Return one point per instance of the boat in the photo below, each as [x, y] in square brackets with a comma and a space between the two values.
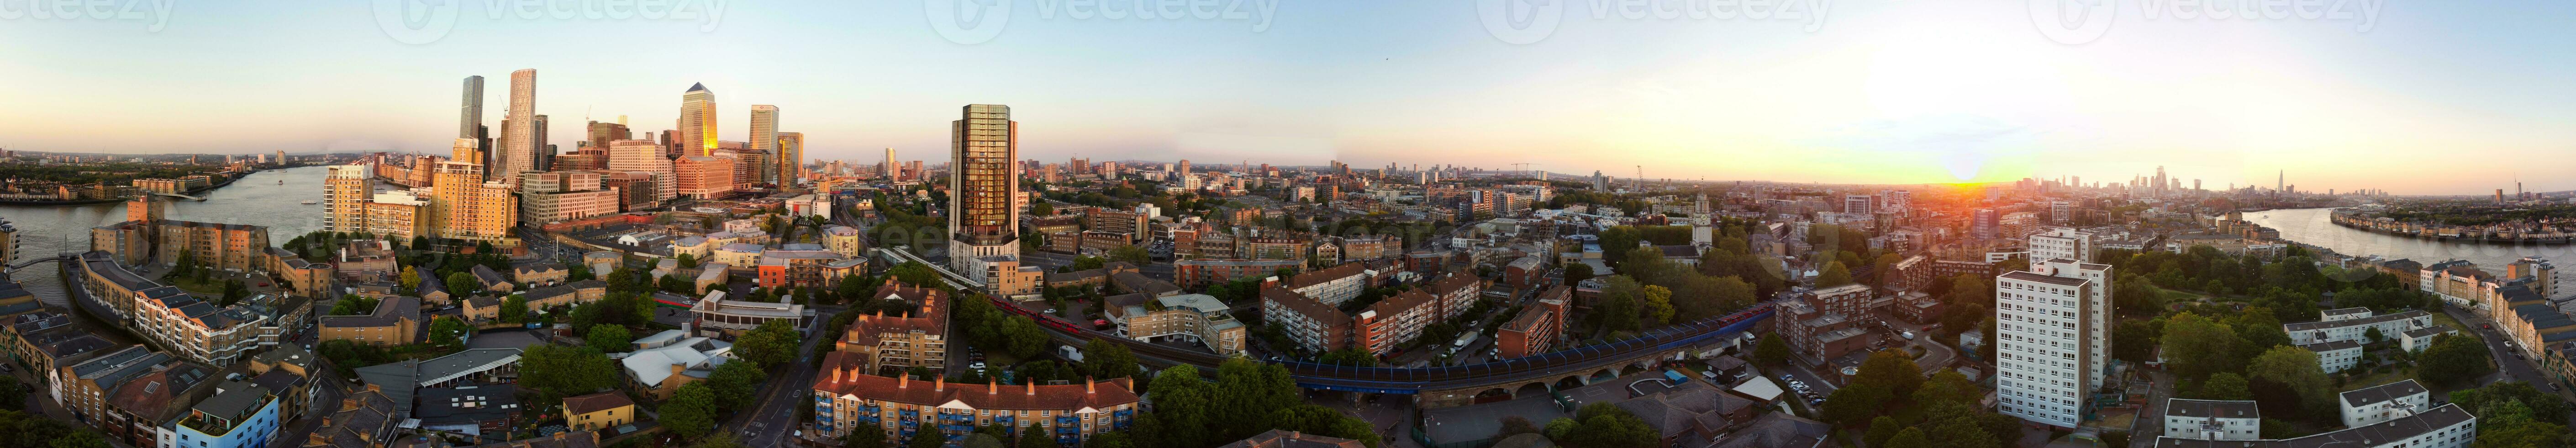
[281, 181]
[309, 202]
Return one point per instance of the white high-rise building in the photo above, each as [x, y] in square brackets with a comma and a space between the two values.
[2061, 242]
[2054, 339]
[519, 132]
[697, 121]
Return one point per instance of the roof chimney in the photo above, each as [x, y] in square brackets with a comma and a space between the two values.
[1089, 387]
[1033, 388]
[905, 383]
[939, 384]
[836, 375]
[992, 386]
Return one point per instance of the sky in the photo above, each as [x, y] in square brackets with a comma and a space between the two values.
[2411, 97]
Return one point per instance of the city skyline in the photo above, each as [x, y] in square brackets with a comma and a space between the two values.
[1877, 93]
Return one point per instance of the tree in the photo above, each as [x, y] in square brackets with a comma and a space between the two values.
[1561, 428]
[2453, 360]
[688, 261]
[12, 394]
[1771, 352]
[410, 279]
[609, 338]
[352, 305]
[1104, 360]
[447, 332]
[1948, 386]
[1246, 392]
[1132, 254]
[566, 371]
[2296, 370]
[2225, 386]
[735, 383]
[515, 309]
[1604, 425]
[1891, 369]
[927, 439]
[1855, 404]
[863, 439]
[1182, 406]
[1621, 301]
[1658, 305]
[1881, 429]
[1909, 438]
[1023, 338]
[672, 283]
[2196, 347]
[915, 273]
[691, 411]
[1834, 275]
[1577, 272]
[461, 284]
[772, 343]
[1036, 437]
[1314, 419]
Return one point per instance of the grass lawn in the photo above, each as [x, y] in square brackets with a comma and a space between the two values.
[213, 286]
[2443, 318]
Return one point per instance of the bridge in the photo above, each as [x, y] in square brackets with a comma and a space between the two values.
[1455, 385]
[182, 196]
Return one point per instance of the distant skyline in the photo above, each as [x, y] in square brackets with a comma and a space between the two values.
[2414, 98]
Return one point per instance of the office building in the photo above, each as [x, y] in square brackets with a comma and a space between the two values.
[1196, 318]
[984, 174]
[469, 116]
[764, 139]
[550, 197]
[644, 156]
[790, 156]
[704, 177]
[697, 126]
[2055, 339]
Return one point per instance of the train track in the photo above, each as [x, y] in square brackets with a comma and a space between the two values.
[1541, 367]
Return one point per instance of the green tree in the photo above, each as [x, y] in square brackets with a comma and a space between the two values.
[917, 274]
[1024, 338]
[688, 261]
[863, 439]
[1881, 429]
[2225, 386]
[1246, 392]
[1948, 386]
[1314, 419]
[352, 305]
[1856, 404]
[409, 279]
[461, 284]
[1102, 359]
[672, 283]
[772, 343]
[927, 439]
[1658, 305]
[1834, 275]
[734, 384]
[447, 332]
[1605, 425]
[1132, 254]
[1561, 428]
[1182, 407]
[2196, 347]
[566, 371]
[1891, 369]
[692, 410]
[1908, 438]
[609, 338]
[1036, 436]
[2453, 360]
[1577, 272]
[1771, 352]
[2296, 369]
[515, 309]
[12, 394]
[78, 438]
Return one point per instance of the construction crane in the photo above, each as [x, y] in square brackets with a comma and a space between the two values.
[1638, 183]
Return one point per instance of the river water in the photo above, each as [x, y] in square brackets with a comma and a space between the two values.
[258, 199]
[2312, 226]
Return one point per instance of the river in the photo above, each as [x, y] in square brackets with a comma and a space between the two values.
[257, 199]
[2311, 226]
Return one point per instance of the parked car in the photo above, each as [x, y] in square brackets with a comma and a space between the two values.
[978, 365]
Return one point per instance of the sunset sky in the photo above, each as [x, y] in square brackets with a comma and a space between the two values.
[2413, 97]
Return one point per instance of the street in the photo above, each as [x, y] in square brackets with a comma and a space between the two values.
[772, 418]
[2510, 368]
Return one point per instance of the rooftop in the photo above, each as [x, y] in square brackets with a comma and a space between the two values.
[2178, 407]
[2382, 393]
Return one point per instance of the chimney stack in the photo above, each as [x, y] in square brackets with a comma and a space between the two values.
[1033, 388]
[992, 386]
[905, 383]
[939, 384]
[1089, 387]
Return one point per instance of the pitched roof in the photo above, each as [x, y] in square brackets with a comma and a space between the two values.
[2179, 407]
[2382, 393]
[1281, 438]
[1099, 395]
[602, 401]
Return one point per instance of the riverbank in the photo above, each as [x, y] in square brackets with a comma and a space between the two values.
[227, 180]
[2357, 222]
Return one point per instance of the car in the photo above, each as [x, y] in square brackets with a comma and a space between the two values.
[1907, 335]
[978, 365]
[1050, 311]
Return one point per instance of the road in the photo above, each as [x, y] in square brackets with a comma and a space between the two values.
[2511, 368]
[774, 415]
[1936, 355]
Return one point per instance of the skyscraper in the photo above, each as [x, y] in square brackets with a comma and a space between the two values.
[697, 121]
[518, 151]
[791, 157]
[472, 209]
[545, 154]
[469, 117]
[764, 130]
[602, 133]
[888, 169]
[983, 175]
